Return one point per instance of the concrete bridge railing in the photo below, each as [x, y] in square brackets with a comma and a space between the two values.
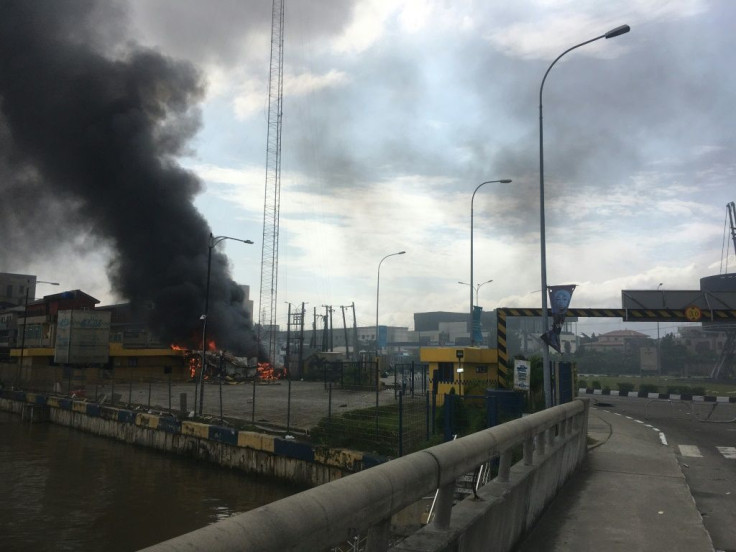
[551, 444]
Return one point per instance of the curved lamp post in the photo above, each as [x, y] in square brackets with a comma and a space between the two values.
[25, 319]
[659, 348]
[378, 287]
[472, 199]
[545, 318]
[214, 240]
[477, 288]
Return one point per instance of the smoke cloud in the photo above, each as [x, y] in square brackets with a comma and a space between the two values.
[90, 130]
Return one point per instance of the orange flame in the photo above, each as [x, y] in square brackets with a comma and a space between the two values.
[266, 371]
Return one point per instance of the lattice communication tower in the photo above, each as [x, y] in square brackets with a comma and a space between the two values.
[270, 245]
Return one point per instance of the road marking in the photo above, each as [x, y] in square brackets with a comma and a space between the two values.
[728, 452]
[663, 438]
[690, 451]
[638, 421]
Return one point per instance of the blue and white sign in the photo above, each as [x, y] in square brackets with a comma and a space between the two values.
[522, 375]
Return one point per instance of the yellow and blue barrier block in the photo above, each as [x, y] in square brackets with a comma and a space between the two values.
[149, 421]
[340, 458]
[126, 416]
[293, 449]
[225, 435]
[195, 429]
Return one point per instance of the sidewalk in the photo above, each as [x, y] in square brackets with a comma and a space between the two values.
[630, 495]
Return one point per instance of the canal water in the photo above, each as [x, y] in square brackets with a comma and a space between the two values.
[62, 489]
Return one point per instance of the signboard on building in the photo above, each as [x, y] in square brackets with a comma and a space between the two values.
[522, 375]
[648, 358]
[82, 337]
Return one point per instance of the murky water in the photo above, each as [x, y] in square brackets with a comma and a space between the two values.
[61, 489]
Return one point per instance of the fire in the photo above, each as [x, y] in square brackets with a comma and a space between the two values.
[192, 359]
[267, 372]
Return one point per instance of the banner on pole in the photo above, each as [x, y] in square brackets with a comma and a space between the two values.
[477, 331]
[559, 299]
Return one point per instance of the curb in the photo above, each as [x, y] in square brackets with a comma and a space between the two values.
[670, 396]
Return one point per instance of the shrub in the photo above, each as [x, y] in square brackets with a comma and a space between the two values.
[582, 383]
[698, 391]
[625, 386]
[648, 388]
[596, 384]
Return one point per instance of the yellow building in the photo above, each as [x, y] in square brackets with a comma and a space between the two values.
[467, 370]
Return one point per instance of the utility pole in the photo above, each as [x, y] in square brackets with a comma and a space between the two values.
[313, 340]
[288, 341]
[328, 320]
[325, 340]
[301, 343]
[355, 333]
[345, 328]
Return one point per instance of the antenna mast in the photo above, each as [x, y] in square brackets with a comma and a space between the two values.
[267, 333]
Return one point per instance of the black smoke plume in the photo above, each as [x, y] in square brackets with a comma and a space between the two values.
[90, 130]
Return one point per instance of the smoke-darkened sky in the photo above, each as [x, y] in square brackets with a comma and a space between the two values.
[394, 111]
[91, 140]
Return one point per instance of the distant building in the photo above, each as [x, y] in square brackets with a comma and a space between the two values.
[699, 341]
[35, 338]
[618, 340]
[15, 289]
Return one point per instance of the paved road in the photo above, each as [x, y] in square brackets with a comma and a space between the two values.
[703, 438]
[629, 494]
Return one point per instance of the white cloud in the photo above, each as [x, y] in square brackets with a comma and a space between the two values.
[252, 95]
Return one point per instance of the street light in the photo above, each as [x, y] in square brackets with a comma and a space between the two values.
[659, 348]
[477, 288]
[472, 199]
[213, 241]
[378, 287]
[545, 318]
[25, 319]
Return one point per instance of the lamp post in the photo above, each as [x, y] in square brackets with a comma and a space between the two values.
[213, 241]
[659, 348]
[25, 319]
[545, 318]
[477, 288]
[472, 199]
[378, 287]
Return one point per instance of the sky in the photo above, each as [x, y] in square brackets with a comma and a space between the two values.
[394, 111]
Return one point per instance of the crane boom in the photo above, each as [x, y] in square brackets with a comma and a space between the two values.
[267, 331]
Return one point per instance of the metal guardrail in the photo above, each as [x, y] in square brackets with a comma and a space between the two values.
[363, 503]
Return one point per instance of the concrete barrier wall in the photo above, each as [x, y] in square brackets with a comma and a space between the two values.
[257, 453]
[553, 444]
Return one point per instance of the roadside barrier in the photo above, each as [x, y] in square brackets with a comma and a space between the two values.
[550, 444]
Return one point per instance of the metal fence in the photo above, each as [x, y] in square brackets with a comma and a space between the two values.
[339, 404]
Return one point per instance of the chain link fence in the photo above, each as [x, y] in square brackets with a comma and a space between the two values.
[339, 404]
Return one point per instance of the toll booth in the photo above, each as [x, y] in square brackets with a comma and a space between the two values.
[461, 369]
